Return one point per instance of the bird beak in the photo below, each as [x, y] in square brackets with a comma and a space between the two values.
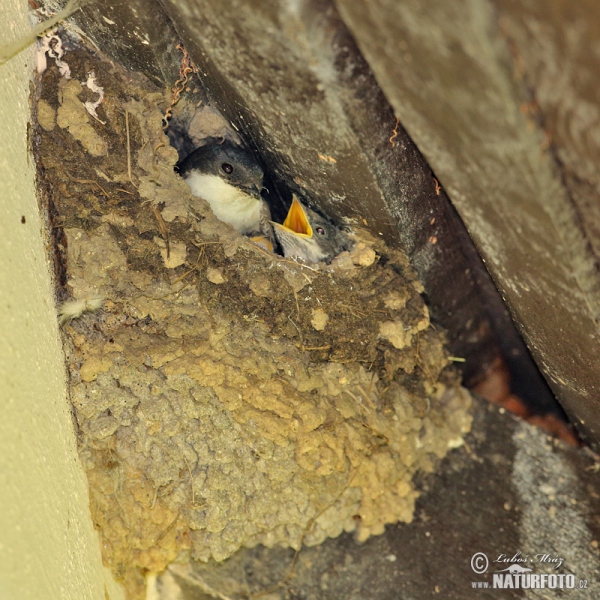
[253, 190]
[297, 221]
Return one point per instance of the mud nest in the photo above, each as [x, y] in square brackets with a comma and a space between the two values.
[224, 397]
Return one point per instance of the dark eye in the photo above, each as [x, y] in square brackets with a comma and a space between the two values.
[320, 231]
[227, 168]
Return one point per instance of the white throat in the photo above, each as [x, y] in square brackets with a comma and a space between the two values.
[230, 204]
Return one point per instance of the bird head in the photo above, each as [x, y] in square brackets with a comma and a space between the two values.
[232, 163]
[307, 235]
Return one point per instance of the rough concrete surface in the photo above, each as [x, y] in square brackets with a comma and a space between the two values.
[556, 53]
[447, 70]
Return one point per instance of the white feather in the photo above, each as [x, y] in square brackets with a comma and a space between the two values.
[230, 204]
[74, 309]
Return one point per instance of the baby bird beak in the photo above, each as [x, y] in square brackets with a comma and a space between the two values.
[307, 235]
[297, 221]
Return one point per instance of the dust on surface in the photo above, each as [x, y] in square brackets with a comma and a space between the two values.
[224, 396]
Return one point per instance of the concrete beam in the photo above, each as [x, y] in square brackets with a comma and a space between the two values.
[447, 70]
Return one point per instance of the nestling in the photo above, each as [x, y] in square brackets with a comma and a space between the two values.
[307, 235]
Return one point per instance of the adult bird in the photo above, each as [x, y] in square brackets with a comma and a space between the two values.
[230, 179]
